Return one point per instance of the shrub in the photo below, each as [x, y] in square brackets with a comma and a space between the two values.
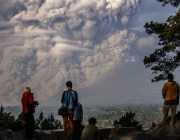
[127, 121]
[5, 119]
[47, 123]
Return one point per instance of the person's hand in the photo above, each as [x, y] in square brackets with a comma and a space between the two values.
[36, 102]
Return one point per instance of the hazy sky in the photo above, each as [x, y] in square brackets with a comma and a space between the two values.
[45, 43]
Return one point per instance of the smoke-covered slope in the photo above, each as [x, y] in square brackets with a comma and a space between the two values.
[130, 84]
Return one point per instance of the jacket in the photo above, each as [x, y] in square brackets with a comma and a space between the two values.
[69, 99]
[28, 103]
[89, 132]
[78, 112]
[170, 93]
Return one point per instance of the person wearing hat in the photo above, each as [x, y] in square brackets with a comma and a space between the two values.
[28, 108]
[69, 99]
[170, 93]
[90, 132]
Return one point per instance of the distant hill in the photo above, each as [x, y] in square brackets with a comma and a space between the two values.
[127, 85]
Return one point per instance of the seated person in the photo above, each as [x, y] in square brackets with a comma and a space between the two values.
[90, 132]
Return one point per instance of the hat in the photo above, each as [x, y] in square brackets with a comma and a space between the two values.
[27, 89]
[92, 121]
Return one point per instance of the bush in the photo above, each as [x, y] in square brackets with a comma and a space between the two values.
[47, 123]
[5, 119]
[127, 121]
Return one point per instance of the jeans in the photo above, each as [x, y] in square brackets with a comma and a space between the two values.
[71, 124]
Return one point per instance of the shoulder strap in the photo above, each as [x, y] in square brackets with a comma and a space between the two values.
[72, 97]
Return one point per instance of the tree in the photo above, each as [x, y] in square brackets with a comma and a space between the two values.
[174, 3]
[47, 123]
[5, 119]
[165, 59]
[39, 120]
[127, 121]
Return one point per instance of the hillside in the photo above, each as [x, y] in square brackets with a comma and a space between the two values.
[165, 132]
[127, 85]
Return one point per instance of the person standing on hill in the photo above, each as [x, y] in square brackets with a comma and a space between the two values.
[69, 99]
[78, 113]
[170, 93]
[28, 108]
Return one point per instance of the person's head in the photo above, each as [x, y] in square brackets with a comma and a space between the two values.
[92, 121]
[69, 85]
[170, 76]
[27, 89]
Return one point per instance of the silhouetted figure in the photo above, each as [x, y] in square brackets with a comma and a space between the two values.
[90, 132]
[170, 93]
[153, 125]
[28, 108]
[69, 99]
[78, 117]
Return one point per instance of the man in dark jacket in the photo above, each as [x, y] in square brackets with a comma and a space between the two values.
[28, 108]
[170, 93]
[78, 117]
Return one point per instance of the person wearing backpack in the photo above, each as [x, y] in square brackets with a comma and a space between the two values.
[28, 108]
[69, 99]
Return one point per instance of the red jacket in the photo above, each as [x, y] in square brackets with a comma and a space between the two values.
[28, 103]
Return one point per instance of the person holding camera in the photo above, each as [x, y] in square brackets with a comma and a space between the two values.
[28, 108]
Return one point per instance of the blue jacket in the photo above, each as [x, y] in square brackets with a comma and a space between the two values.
[78, 112]
[69, 99]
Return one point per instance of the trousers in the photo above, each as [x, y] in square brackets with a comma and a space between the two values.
[165, 112]
[30, 123]
[71, 124]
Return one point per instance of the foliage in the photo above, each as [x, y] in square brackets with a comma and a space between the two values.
[21, 117]
[165, 59]
[5, 119]
[39, 120]
[174, 3]
[127, 121]
[47, 123]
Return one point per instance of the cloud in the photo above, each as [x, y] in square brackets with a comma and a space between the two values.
[145, 42]
[49, 42]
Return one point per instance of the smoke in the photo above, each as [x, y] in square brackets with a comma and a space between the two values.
[47, 42]
[146, 42]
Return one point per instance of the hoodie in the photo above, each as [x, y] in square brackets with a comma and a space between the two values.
[170, 93]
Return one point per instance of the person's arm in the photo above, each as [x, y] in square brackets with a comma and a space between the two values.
[76, 101]
[164, 89]
[178, 93]
[62, 99]
[31, 100]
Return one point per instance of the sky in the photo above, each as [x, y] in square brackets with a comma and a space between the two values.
[99, 45]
